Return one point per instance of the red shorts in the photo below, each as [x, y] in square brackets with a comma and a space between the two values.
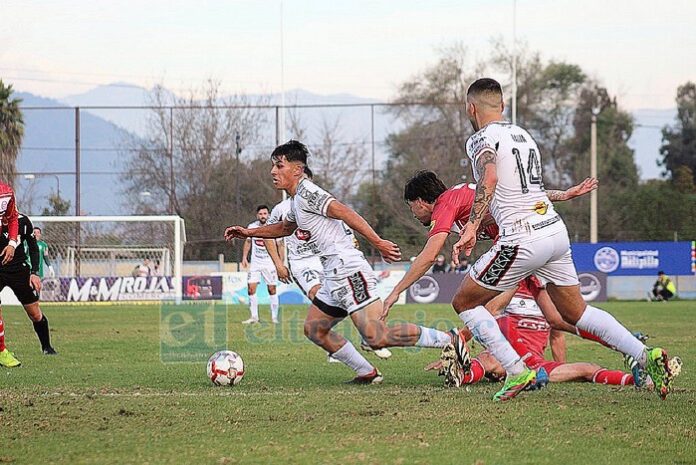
[529, 337]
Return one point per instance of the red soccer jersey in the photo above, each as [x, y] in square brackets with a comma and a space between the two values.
[452, 210]
[8, 211]
[529, 288]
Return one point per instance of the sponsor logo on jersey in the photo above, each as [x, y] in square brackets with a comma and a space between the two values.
[4, 201]
[541, 207]
[497, 268]
[260, 243]
[303, 234]
[607, 259]
[359, 287]
[432, 225]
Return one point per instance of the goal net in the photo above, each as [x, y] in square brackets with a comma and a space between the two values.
[112, 247]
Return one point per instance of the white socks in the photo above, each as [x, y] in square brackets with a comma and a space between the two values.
[254, 306]
[486, 331]
[430, 337]
[351, 357]
[274, 306]
[607, 328]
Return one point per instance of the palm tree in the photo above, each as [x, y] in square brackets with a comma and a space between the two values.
[11, 133]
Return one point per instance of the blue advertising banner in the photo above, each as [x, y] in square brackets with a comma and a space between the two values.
[633, 258]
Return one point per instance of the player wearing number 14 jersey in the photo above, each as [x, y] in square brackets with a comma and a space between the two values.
[533, 240]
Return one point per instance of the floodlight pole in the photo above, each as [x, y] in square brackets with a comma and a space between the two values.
[593, 173]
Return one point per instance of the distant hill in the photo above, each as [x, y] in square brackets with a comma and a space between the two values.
[49, 136]
[49, 146]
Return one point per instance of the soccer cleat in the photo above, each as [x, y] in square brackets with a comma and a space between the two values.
[250, 321]
[8, 360]
[542, 379]
[49, 351]
[675, 367]
[642, 337]
[513, 386]
[639, 376]
[381, 353]
[657, 367]
[374, 377]
[450, 369]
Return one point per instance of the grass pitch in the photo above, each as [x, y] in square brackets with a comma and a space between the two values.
[114, 396]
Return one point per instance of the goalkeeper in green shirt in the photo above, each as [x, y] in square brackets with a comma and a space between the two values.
[43, 255]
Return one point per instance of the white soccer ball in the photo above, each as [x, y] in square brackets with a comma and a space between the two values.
[225, 368]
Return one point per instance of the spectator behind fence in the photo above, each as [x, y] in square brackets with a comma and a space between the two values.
[463, 267]
[143, 269]
[440, 265]
[663, 289]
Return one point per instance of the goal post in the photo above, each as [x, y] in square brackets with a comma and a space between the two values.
[115, 246]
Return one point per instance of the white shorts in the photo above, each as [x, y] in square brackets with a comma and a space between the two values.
[270, 275]
[506, 264]
[307, 272]
[341, 297]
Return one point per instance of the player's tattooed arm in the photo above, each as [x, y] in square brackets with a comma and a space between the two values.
[585, 187]
[556, 196]
[485, 189]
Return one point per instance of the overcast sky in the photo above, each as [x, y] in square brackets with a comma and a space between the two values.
[641, 50]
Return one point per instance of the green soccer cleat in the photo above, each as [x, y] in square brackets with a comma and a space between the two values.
[8, 360]
[657, 367]
[513, 386]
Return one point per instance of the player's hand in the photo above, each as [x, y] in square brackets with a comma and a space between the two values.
[233, 232]
[387, 305]
[465, 244]
[245, 263]
[7, 254]
[588, 185]
[436, 365]
[35, 282]
[284, 274]
[389, 251]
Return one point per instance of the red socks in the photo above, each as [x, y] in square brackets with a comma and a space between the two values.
[2, 335]
[614, 377]
[475, 374]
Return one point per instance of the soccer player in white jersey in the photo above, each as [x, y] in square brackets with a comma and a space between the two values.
[533, 239]
[305, 267]
[261, 266]
[348, 287]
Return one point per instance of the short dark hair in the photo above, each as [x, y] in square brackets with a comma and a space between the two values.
[262, 207]
[660, 272]
[424, 185]
[292, 150]
[308, 172]
[36, 227]
[484, 86]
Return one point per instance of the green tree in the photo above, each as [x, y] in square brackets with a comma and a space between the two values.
[679, 141]
[57, 206]
[11, 133]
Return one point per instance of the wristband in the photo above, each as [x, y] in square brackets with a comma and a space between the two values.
[13, 243]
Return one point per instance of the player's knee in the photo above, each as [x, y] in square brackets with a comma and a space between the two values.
[376, 341]
[34, 314]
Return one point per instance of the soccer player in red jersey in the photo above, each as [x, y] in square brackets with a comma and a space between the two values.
[10, 216]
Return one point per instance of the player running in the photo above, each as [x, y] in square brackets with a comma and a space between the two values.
[348, 287]
[261, 265]
[533, 240]
[26, 285]
[305, 267]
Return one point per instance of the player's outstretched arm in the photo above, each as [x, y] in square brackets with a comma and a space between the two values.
[389, 251]
[273, 231]
[419, 267]
[585, 187]
[487, 175]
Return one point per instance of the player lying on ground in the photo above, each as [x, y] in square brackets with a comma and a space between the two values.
[348, 287]
[523, 323]
[533, 240]
[261, 266]
[26, 285]
[304, 266]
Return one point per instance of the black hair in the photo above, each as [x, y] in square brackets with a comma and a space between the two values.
[36, 227]
[424, 185]
[484, 86]
[292, 150]
[660, 272]
[308, 172]
[262, 207]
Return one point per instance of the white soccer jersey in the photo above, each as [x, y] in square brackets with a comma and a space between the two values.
[297, 247]
[520, 204]
[327, 237]
[259, 255]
